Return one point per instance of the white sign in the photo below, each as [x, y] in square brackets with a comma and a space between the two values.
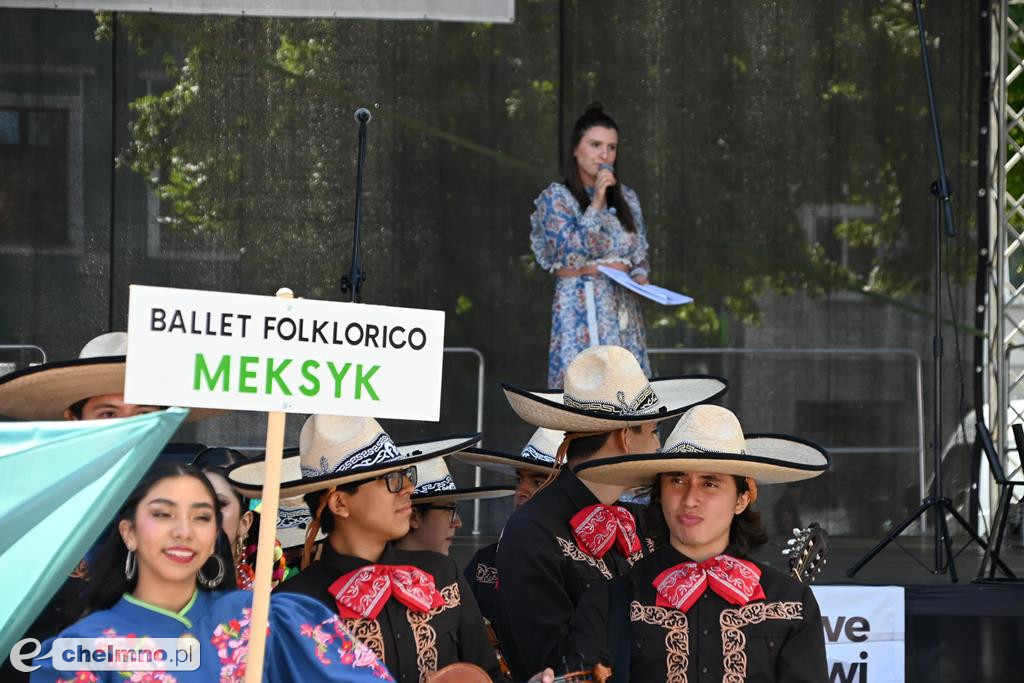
[502, 11]
[864, 632]
[243, 352]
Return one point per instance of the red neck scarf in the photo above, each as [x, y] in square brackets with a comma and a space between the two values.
[597, 527]
[362, 594]
[738, 581]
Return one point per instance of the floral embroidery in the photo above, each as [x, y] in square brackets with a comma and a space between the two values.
[564, 236]
[677, 637]
[574, 553]
[734, 641]
[425, 635]
[356, 654]
[232, 642]
[133, 676]
[367, 631]
[80, 677]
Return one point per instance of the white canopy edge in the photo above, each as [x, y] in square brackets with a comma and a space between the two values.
[497, 11]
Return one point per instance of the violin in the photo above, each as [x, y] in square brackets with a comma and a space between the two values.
[493, 637]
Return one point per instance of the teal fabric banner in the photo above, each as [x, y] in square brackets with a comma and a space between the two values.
[61, 484]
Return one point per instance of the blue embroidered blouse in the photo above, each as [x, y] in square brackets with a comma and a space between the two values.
[306, 642]
[564, 237]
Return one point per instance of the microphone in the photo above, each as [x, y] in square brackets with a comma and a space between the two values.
[606, 167]
[362, 115]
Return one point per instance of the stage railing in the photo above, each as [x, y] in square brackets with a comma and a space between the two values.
[480, 366]
[914, 357]
[20, 347]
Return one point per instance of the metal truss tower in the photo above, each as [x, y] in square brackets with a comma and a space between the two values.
[1003, 362]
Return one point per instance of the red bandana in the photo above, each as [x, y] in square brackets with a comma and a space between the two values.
[362, 594]
[738, 581]
[596, 527]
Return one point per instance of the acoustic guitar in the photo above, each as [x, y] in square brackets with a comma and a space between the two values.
[806, 552]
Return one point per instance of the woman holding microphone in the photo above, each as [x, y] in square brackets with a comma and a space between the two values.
[587, 220]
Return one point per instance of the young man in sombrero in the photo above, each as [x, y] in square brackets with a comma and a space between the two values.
[697, 608]
[89, 387]
[571, 536]
[531, 467]
[435, 512]
[411, 608]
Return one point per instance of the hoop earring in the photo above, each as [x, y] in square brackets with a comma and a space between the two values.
[215, 581]
[130, 565]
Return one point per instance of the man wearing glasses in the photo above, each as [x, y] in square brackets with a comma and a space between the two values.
[435, 511]
[412, 608]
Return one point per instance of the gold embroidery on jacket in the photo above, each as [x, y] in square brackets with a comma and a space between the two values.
[677, 637]
[486, 574]
[734, 641]
[367, 631]
[573, 553]
[424, 634]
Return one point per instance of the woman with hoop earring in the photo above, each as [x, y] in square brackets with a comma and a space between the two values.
[158, 577]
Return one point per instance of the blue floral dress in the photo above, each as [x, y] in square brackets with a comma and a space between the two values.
[305, 642]
[589, 309]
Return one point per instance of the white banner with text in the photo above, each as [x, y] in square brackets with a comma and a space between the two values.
[204, 349]
[864, 632]
[502, 11]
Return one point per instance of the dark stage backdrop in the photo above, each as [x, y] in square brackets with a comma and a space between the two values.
[781, 152]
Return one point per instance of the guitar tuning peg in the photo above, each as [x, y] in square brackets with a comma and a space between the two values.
[797, 531]
[787, 551]
[791, 541]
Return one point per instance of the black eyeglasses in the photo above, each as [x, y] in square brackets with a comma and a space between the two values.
[454, 509]
[396, 480]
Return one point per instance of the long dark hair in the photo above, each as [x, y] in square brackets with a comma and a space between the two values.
[595, 116]
[747, 533]
[218, 459]
[106, 575]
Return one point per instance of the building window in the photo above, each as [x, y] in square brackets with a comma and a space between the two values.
[34, 184]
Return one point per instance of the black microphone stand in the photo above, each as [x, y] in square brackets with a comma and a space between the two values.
[352, 284]
[936, 501]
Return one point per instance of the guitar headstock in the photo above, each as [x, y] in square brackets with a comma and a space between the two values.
[806, 552]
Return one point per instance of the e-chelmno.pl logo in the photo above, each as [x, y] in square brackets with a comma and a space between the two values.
[115, 653]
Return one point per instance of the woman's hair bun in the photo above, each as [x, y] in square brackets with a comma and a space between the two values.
[595, 108]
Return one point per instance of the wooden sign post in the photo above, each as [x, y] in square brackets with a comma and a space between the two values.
[260, 616]
[280, 355]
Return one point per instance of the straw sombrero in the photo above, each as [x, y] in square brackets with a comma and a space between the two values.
[293, 517]
[605, 389]
[44, 392]
[336, 449]
[434, 485]
[709, 439]
[537, 456]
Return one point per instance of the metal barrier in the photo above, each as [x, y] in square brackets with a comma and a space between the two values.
[24, 347]
[909, 353]
[480, 365]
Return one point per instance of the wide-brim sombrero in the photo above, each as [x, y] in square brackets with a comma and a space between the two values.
[293, 518]
[435, 485]
[44, 392]
[675, 395]
[770, 459]
[537, 457]
[498, 461]
[457, 494]
[248, 477]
